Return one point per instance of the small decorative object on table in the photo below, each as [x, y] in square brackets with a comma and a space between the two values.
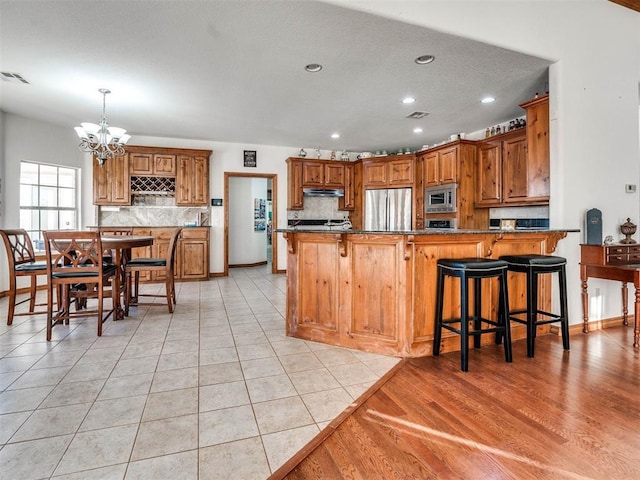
[628, 229]
[608, 240]
[344, 156]
[318, 153]
[333, 155]
[302, 153]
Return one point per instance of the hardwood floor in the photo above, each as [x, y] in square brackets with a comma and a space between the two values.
[573, 415]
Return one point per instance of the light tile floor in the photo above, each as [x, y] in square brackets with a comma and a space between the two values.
[214, 391]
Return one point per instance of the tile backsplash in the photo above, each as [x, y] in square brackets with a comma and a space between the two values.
[153, 216]
[319, 208]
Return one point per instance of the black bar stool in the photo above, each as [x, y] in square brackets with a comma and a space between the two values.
[533, 266]
[476, 269]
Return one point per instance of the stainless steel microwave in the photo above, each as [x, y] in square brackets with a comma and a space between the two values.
[440, 199]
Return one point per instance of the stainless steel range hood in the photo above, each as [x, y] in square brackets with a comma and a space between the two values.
[323, 192]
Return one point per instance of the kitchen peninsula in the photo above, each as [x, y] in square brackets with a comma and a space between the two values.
[375, 291]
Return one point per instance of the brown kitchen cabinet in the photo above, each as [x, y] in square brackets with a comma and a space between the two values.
[192, 180]
[418, 197]
[192, 252]
[513, 168]
[149, 164]
[295, 197]
[111, 184]
[504, 174]
[538, 147]
[389, 172]
[322, 174]
[348, 202]
[441, 166]
[303, 173]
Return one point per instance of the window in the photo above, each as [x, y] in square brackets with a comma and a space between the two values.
[48, 196]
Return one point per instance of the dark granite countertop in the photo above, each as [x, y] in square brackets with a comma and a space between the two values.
[426, 231]
[148, 226]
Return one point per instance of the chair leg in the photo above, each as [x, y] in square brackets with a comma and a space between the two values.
[136, 285]
[32, 292]
[12, 299]
[167, 287]
[503, 317]
[562, 278]
[437, 334]
[532, 311]
[477, 309]
[464, 324]
[100, 307]
[115, 293]
[49, 311]
[127, 292]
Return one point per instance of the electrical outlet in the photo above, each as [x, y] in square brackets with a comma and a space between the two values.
[630, 188]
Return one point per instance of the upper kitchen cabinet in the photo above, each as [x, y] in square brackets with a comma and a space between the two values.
[513, 168]
[538, 156]
[192, 179]
[441, 166]
[388, 172]
[295, 197]
[348, 202]
[321, 174]
[111, 181]
[149, 164]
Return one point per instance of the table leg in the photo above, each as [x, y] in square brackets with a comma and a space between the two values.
[636, 320]
[625, 301]
[585, 299]
[122, 256]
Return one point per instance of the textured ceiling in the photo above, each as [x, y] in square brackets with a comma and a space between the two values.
[234, 71]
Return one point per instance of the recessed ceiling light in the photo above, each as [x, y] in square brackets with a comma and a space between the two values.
[424, 59]
[408, 100]
[313, 67]
[488, 100]
[335, 135]
[417, 130]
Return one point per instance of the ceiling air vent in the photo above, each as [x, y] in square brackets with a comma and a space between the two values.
[13, 77]
[417, 115]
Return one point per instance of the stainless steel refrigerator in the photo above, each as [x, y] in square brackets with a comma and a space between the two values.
[387, 209]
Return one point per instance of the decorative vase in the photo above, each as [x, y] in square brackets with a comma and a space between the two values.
[628, 229]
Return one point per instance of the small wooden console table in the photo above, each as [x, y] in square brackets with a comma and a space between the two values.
[612, 262]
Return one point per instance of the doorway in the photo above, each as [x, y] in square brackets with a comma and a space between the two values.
[263, 219]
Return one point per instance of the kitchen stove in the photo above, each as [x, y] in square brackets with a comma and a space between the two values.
[319, 224]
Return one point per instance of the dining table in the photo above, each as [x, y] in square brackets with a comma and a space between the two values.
[121, 245]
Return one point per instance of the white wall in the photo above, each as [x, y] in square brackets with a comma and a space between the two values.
[246, 246]
[3, 135]
[25, 139]
[594, 81]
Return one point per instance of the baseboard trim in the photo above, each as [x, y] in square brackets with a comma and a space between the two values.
[593, 325]
[216, 274]
[21, 291]
[247, 265]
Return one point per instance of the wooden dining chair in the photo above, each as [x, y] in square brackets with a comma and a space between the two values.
[108, 256]
[75, 258]
[136, 265]
[22, 263]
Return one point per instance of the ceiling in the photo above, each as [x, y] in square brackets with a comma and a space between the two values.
[233, 71]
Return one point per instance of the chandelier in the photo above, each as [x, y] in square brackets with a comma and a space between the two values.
[102, 140]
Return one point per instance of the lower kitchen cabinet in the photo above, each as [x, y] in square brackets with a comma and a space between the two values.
[192, 252]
